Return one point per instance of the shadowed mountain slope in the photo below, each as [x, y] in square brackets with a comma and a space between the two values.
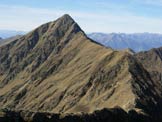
[152, 59]
[56, 68]
[104, 115]
[152, 62]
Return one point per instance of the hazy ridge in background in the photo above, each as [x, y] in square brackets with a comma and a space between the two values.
[137, 41]
[9, 33]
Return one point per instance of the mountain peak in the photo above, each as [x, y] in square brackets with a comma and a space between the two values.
[67, 16]
[66, 19]
[48, 38]
[63, 26]
[66, 23]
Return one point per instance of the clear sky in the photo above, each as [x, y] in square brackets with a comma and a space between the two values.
[92, 15]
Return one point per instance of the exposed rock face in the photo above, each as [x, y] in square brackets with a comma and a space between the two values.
[56, 68]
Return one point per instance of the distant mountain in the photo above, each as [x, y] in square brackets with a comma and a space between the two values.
[8, 40]
[137, 42]
[10, 33]
[0, 39]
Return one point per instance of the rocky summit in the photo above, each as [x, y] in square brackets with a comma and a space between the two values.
[56, 69]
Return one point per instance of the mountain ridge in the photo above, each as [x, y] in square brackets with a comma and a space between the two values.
[152, 61]
[57, 68]
[136, 41]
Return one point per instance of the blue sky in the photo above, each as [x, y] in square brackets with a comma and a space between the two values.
[106, 16]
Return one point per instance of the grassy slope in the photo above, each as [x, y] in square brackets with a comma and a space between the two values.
[57, 68]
